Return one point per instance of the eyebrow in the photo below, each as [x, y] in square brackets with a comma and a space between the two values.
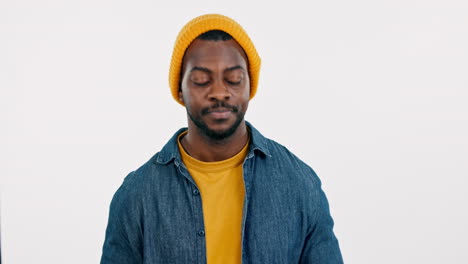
[234, 68]
[203, 69]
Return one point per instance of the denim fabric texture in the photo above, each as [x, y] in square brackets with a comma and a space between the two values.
[156, 215]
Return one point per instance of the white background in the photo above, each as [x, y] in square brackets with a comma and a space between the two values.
[372, 94]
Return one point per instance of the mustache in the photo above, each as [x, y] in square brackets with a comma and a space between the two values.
[219, 105]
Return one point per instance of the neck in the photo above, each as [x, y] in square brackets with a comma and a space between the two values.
[206, 149]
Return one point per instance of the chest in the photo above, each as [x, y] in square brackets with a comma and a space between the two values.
[273, 221]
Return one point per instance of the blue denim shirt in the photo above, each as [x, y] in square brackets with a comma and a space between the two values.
[156, 215]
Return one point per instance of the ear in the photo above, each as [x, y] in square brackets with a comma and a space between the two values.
[181, 98]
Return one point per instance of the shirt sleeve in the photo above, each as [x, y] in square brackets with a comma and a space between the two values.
[123, 241]
[321, 245]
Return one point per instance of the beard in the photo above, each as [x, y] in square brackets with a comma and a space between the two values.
[217, 134]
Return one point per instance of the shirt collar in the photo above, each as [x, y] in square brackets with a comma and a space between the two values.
[171, 151]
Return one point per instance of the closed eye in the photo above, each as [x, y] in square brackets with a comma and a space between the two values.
[201, 84]
[234, 83]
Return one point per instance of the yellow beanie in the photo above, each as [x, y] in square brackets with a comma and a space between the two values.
[200, 25]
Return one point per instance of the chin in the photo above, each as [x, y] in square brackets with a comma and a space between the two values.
[220, 132]
[217, 129]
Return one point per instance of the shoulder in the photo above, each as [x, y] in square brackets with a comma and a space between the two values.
[290, 165]
[289, 176]
[279, 162]
[282, 154]
[148, 171]
[137, 182]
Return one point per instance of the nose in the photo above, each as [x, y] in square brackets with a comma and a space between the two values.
[219, 92]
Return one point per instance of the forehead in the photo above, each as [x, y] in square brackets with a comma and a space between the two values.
[208, 53]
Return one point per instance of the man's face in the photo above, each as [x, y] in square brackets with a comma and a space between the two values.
[215, 86]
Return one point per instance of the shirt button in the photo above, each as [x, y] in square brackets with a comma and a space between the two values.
[195, 191]
[201, 233]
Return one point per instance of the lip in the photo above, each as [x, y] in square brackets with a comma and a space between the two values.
[220, 113]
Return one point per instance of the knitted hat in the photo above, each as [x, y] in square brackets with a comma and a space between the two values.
[200, 25]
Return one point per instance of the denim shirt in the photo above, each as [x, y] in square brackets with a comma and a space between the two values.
[156, 215]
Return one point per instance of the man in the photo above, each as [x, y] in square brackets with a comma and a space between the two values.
[219, 192]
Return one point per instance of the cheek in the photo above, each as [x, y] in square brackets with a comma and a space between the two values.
[246, 93]
[247, 89]
[185, 91]
[191, 97]
[245, 98]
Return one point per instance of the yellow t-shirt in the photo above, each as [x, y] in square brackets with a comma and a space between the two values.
[221, 186]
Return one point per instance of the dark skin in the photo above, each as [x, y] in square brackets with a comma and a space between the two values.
[215, 88]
